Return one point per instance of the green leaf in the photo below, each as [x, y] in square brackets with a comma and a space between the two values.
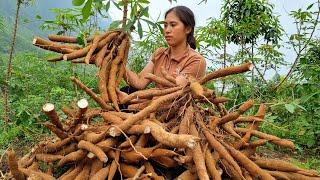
[114, 24]
[77, 2]
[86, 10]
[140, 32]
[116, 4]
[107, 6]
[145, 12]
[144, 1]
[149, 22]
[310, 6]
[290, 107]
[38, 17]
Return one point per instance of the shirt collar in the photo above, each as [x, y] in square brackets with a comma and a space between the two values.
[179, 58]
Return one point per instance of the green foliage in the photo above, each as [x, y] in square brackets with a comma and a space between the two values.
[143, 49]
[1, 23]
[35, 82]
[247, 20]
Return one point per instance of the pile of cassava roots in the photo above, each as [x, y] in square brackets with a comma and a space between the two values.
[177, 132]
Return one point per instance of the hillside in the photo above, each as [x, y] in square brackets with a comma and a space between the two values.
[28, 24]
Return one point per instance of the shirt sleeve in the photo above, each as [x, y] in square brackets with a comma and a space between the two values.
[156, 53]
[196, 67]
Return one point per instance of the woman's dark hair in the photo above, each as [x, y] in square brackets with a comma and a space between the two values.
[186, 16]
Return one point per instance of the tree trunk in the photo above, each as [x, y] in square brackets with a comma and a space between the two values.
[8, 75]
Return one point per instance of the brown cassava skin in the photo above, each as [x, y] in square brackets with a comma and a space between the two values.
[68, 149]
[159, 80]
[113, 72]
[167, 76]
[105, 145]
[42, 175]
[101, 174]
[74, 173]
[13, 165]
[94, 137]
[114, 166]
[94, 149]
[110, 118]
[297, 176]
[149, 93]
[95, 166]
[56, 146]
[66, 39]
[94, 45]
[138, 106]
[138, 129]
[149, 169]
[34, 166]
[167, 162]
[126, 143]
[275, 164]
[151, 108]
[248, 119]
[127, 170]
[61, 134]
[72, 157]
[187, 175]
[83, 52]
[198, 157]
[84, 174]
[53, 116]
[228, 127]
[226, 71]
[122, 66]
[134, 157]
[142, 141]
[271, 138]
[139, 172]
[196, 88]
[163, 152]
[185, 122]
[93, 95]
[211, 165]
[103, 76]
[221, 150]
[278, 175]
[250, 166]
[122, 115]
[69, 112]
[51, 46]
[48, 157]
[234, 115]
[170, 139]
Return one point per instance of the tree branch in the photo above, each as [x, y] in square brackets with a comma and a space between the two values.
[300, 50]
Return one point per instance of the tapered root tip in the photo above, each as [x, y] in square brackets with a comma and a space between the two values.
[48, 107]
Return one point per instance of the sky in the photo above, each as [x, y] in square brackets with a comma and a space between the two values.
[203, 11]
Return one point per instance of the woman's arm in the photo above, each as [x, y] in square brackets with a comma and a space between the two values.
[139, 81]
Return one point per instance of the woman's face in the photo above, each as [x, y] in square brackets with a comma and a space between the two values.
[174, 30]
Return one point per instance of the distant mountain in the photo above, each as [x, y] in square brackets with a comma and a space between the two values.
[28, 24]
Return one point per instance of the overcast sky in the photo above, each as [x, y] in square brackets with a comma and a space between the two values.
[212, 9]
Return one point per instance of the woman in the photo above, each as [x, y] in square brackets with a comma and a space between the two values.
[180, 59]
